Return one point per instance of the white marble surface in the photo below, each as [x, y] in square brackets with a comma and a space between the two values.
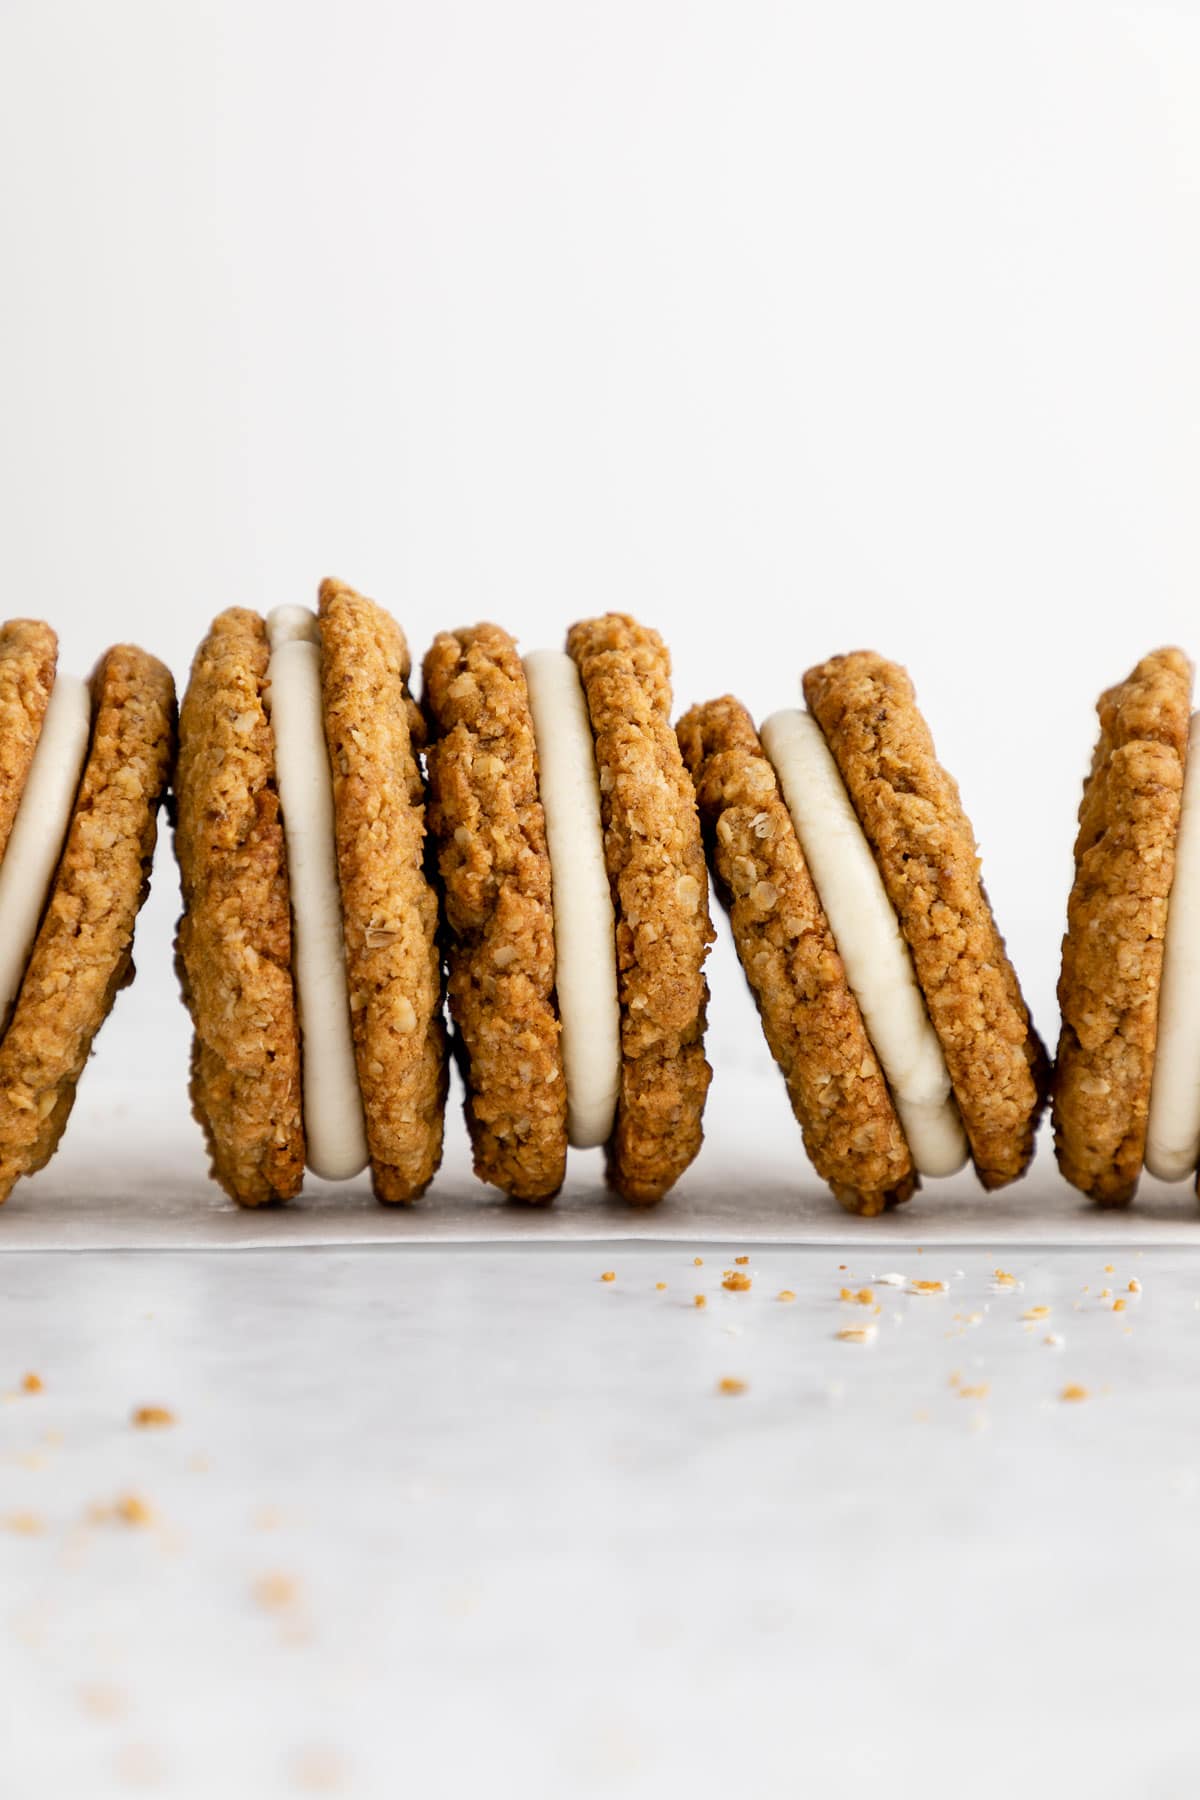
[519, 1544]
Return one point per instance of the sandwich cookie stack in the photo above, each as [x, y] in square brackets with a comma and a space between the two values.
[851, 874]
[1127, 1079]
[83, 768]
[307, 948]
[575, 903]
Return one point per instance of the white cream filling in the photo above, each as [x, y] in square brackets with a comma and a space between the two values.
[333, 1113]
[878, 965]
[1173, 1127]
[584, 925]
[39, 830]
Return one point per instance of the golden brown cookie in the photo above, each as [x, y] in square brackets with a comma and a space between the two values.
[910, 810]
[810, 1017]
[235, 936]
[81, 955]
[1116, 922]
[389, 910]
[659, 883]
[486, 818]
[28, 659]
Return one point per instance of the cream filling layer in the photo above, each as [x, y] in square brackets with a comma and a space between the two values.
[585, 949]
[39, 830]
[334, 1128]
[878, 965]
[1173, 1127]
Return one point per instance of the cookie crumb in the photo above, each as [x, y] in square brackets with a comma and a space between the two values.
[609, 1275]
[24, 1524]
[1003, 1278]
[785, 1294]
[1135, 1286]
[1073, 1391]
[697, 1262]
[32, 1384]
[731, 1384]
[927, 1287]
[275, 1592]
[978, 1391]
[149, 1417]
[700, 1300]
[856, 1334]
[1036, 1312]
[735, 1281]
[660, 1287]
[741, 1259]
[1119, 1305]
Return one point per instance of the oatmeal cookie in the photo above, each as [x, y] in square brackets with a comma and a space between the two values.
[810, 1017]
[235, 936]
[910, 810]
[82, 953]
[659, 883]
[389, 910]
[28, 659]
[487, 821]
[1116, 920]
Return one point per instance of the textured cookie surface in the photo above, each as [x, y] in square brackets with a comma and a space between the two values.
[82, 952]
[487, 820]
[910, 810]
[1116, 923]
[659, 882]
[28, 657]
[235, 936]
[389, 909]
[810, 1017]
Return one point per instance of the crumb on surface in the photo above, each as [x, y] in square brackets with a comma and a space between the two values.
[1036, 1312]
[697, 1262]
[785, 1294]
[24, 1524]
[1073, 1391]
[700, 1300]
[741, 1259]
[660, 1287]
[1004, 1278]
[736, 1281]
[927, 1287]
[731, 1384]
[856, 1334]
[32, 1383]
[978, 1390]
[1135, 1286]
[609, 1275]
[1119, 1305]
[148, 1417]
[864, 1296]
[275, 1591]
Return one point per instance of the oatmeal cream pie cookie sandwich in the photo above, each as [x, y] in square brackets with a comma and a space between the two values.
[307, 948]
[83, 768]
[576, 904]
[1127, 1079]
[840, 846]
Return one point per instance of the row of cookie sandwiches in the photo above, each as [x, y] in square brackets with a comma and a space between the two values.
[530, 844]
[549, 859]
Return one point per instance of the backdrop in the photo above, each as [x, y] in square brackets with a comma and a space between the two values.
[790, 327]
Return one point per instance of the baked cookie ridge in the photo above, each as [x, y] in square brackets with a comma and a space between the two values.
[911, 812]
[234, 939]
[659, 883]
[389, 907]
[485, 817]
[1117, 913]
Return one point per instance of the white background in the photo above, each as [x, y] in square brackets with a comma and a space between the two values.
[791, 328]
